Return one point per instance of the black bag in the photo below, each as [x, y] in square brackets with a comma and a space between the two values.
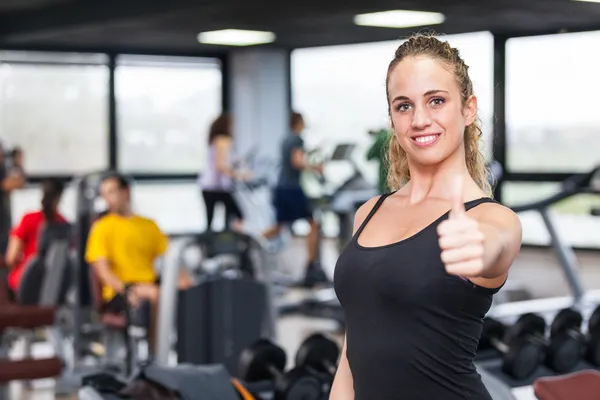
[184, 381]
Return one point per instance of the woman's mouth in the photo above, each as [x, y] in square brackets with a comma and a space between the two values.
[426, 140]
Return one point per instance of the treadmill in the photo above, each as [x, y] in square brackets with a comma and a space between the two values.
[351, 194]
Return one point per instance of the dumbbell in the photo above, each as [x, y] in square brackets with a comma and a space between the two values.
[562, 352]
[319, 353]
[521, 353]
[569, 321]
[264, 360]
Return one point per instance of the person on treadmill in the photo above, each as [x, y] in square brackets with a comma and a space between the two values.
[290, 201]
[122, 248]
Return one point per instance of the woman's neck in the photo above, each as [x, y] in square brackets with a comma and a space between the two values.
[437, 180]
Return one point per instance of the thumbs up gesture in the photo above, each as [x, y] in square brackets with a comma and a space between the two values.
[461, 239]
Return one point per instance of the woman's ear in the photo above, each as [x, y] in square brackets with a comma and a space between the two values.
[470, 110]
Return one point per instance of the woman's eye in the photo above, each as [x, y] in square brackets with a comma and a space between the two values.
[403, 107]
[437, 101]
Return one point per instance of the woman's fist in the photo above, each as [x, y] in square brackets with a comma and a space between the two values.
[461, 239]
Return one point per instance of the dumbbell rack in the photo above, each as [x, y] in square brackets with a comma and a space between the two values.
[493, 365]
[547, 308]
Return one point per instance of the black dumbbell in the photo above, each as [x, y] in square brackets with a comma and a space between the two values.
[265, 361]
[562, 352]
[569, 321]
[319, 353]
[522, 354]
[594, 322]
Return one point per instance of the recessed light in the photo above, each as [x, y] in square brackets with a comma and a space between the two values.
[399, 19]
[589, 1]
[236, 37]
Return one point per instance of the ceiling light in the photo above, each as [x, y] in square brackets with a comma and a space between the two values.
[236, 37]
[399, 19]
[589, 1]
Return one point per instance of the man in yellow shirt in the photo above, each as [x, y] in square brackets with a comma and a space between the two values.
[122, 247]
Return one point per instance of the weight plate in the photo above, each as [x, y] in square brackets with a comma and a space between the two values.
[527, 324]
[257, 360]
[594, 322]
[563, 353]
[316, 352]
[491, 329]
[565, 320]
[298, 384]
[593, 349]
[523, 358]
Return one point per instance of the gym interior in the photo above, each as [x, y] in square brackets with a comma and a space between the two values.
[134, 87]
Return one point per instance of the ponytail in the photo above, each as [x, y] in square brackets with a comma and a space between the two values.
[52, 191]
[48, 208]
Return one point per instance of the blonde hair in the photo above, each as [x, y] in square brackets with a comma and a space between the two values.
[430, 46]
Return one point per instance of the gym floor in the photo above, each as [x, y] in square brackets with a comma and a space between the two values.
[537, 270]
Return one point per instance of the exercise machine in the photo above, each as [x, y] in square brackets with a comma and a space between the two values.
[344, 199]
[41, 303]
[229, 306]
[579, 298]
[14, 316]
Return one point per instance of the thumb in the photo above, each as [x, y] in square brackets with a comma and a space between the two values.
[458, 205]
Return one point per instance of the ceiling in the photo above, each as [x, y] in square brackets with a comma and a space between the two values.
[171, 26]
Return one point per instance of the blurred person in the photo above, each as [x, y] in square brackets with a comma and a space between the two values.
[290, 201]
[216, 181]
[16, 168]
[23, 241]
[122, 247]
[377, 152]
[8, 183]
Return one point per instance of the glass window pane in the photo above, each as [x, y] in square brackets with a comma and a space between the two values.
[571, 217]
[165, 107]
[551, 115]
[58, 113]
[341, 90]
[151, 199]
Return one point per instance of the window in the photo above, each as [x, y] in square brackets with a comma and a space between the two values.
[55, 107]
[164, 109]
[551, 115]
[151, 199]
[572, 216]
[341, 90]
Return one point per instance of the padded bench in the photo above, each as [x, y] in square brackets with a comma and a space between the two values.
[584, 385]
[25, 317]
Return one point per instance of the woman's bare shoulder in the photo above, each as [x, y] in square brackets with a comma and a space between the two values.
[364, 210]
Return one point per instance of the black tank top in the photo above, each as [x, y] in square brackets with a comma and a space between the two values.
[412, 329]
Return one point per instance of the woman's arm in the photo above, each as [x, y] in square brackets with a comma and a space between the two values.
[223, 159]
[14, 251]
[343, 383]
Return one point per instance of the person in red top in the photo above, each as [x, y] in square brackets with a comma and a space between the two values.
[23, 241]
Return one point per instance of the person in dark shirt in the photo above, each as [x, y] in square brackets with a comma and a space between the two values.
[290, 201]
[425, 260]
[16, 169]
[9, 181]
